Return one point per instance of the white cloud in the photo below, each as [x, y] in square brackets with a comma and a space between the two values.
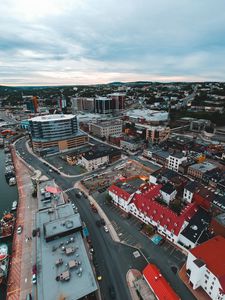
[99, 41]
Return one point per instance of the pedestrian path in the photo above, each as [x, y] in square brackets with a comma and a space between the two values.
[19, 279]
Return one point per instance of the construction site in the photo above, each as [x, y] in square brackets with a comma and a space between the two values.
[100, 182]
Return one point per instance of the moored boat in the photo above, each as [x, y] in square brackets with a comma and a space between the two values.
[12, 181]
[14, 206]
[7, 225]
[4, 262]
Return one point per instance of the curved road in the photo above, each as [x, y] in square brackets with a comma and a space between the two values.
[112, 259]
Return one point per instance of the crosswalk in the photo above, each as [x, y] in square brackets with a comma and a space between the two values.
[69, 189]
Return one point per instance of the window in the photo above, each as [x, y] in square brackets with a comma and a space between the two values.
[206, 276]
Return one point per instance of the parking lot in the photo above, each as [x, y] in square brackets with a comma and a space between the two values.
[62, 165]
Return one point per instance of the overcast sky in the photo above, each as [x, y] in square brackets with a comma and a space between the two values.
[44, 42]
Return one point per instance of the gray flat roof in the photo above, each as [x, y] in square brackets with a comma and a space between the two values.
[130, 185]
[62, 225]
[203, 167]
[56, 199]
[82, 281]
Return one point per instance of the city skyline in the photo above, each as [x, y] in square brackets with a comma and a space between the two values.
[68, 42]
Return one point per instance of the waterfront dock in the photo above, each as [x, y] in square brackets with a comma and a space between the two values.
[23, 249]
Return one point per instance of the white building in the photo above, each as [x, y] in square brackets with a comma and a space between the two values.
[206, 267]
[92, 161]
[143, 205]
[174, 161]
[189, 191]
[130, 144]
[168, 192]
[106, 128]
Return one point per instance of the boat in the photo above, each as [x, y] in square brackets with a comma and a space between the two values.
[12, 181]
[4, 262]
[14, 206]
[9, 172]
[7, 224]
[1, 143]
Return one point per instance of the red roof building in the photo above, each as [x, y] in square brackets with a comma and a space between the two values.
[143, 203]
[206, 267]
[158, 283]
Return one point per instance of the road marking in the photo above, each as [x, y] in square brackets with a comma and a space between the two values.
[25, 279]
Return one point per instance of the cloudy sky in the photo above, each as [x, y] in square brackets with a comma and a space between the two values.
[45, 42]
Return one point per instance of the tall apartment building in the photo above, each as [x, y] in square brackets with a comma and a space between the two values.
[106, 128]
[110, 104]
[54, 133]
[82, 104]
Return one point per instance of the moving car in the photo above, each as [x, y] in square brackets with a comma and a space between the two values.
[106, 228]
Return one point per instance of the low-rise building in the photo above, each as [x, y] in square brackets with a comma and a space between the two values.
[98, 156]
[196, 232]
[217, 225]
[206, 269]
[168, 192]
[198, 170]
[62, 262]
[130, 144]
[93, 160]
[158, 283]
[175, 160]
[146, 204]
[105, 129]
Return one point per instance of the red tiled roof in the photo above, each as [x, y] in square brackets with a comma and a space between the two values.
[146, 203]
[212, 252]
[119, 192]
[158, 283]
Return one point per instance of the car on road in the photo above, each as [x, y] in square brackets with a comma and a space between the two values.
[102, 222]
[34, 278]
[98, 275]
[106, 228]
[19, 229]
[98, 223]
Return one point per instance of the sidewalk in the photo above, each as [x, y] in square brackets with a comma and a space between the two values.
[136, 282]
[19, 279]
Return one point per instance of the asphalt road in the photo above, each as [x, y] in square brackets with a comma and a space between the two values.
[113, 259]
[166, 257]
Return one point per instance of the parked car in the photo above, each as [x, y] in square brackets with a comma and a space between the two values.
[34, 278]
[19, 229]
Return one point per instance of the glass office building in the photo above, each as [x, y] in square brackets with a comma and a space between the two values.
[55, 133]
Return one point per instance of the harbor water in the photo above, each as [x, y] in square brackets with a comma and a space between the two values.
[8, 194]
